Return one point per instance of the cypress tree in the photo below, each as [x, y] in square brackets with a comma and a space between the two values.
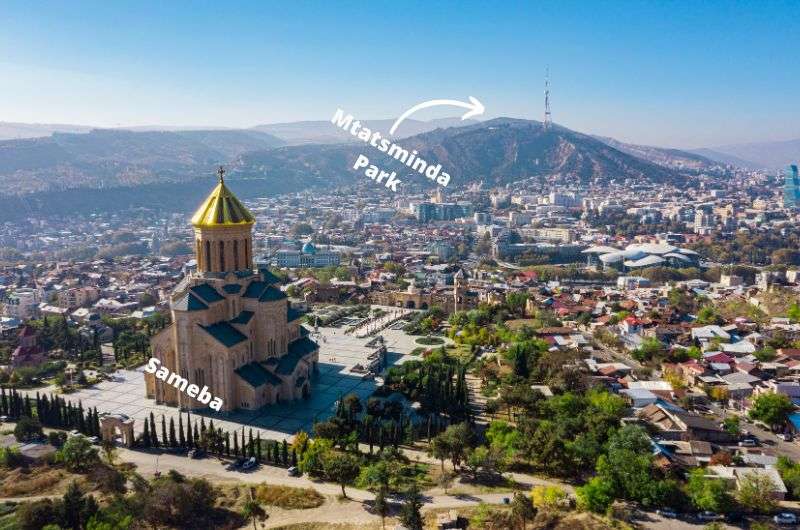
[164, 439]
[227, 443]
[258, 446]
[244, 444]
[28, 407]
[181, 435]
[197, 439]
[250, 447]
[146, 436]
[173, 442]
[276, 456]
[235, 445]
[294, 458]
[3, 402]
[189, 437]
[153, 435]
[285, 452]
[81, 419]
[96, 422]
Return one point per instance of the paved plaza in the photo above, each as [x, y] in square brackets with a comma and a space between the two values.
[125, 394]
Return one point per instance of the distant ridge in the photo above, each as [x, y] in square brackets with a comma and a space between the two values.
[758, 155]
[672, 158]
[502, 150]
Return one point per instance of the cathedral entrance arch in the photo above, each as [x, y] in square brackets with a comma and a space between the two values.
[424, 305]
[111, 424]
[410, 304]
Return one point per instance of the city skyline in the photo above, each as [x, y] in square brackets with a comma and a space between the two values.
[680, 75]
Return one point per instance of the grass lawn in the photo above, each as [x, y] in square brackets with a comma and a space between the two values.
[519, 323]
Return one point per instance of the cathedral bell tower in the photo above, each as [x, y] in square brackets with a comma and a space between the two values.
[223, 232]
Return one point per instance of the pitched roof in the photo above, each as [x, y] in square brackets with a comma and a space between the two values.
[271, 294]
[189, 302]
[256, 375]
[232, 288]
[268, 277]
[297, 350]
[207, 293]
[254, 289]
[242, 318]
[293, 314]
[225, 333]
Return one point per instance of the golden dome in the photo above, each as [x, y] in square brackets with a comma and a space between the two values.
[222, 209]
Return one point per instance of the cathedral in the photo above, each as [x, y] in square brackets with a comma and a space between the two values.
[233, 330]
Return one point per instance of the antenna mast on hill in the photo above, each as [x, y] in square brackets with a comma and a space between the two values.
[548, 119]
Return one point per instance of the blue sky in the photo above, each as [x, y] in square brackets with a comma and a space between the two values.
[684, 74]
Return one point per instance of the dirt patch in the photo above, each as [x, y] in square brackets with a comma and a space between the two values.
[40, 480]
[331, 526]
[286, 497]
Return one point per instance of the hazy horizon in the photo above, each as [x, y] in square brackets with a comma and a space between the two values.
[683, 75]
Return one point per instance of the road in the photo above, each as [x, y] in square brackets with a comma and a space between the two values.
[773, 445]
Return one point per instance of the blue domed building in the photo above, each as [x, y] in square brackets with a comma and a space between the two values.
[309, 256]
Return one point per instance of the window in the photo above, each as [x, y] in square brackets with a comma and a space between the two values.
[235, 255]
[207, 257]
[222, 256]
[246, 253]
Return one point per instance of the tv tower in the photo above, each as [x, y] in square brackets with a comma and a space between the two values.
[548, 119]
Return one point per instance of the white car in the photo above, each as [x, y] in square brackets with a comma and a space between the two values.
[785, 518]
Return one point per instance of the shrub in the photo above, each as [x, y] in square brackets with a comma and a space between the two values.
[27, 429]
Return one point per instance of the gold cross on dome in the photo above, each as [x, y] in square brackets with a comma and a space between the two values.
[221, 174]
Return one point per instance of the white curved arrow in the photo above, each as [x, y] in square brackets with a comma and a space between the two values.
[475, 107]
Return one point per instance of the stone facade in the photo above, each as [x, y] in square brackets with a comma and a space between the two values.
[233, 329]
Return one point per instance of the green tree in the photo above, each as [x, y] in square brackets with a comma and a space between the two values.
[78, 454]
[341, 468]
[253, 511]
[410, 515]
[771, 408]
[28, 429]
[755, 493]
[381, 507]
[76, 508]
[707, 493]
[522, 509]
[596, 495]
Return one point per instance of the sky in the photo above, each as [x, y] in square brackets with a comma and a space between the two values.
[685, 74]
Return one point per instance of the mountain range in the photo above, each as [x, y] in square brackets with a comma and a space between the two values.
[758, 155]
[277, 158]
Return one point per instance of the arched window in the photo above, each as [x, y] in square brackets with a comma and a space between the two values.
[207, 257]
[235, 255]
[222, 256]
[246, 253]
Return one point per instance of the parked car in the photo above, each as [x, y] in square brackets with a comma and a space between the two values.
[668, 513]
[249, 464]
[749, 442]
[236, 464]
[786, 518]
[293, 471]
[709, 516]
[196, 453]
